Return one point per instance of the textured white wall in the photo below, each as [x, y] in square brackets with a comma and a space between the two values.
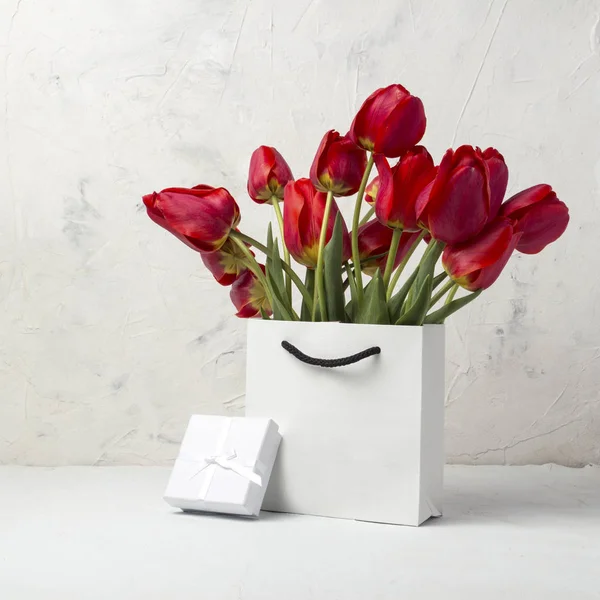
[113, 333]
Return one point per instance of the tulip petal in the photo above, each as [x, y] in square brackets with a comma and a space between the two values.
[302, 218]
[225, 264]
[463, 211]
[462, 260]
[512, 207]
[408, 122]
[248, 296]
[498, 178]
[488, 275]
[389, 121]
[339, 165]
[207, 216]
[543, 224]
[268, 174]
[539, 215]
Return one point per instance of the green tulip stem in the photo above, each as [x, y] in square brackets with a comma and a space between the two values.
[391, 258]
[255, 268]
[403, 264]
[286, 254]
[287, 268]
[446, 288]
[369, 214]
[452, 294]
[319, 284]
[355, 226]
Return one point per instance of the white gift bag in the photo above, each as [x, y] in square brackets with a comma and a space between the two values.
[224, 465]
[362, 441]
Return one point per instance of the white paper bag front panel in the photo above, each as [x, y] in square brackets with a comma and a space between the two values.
[351, 435]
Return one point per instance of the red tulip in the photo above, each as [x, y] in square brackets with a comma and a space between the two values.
[339, 165]
[371, 191]
[374, 241]
[476, 264]
[458, 205]
[227, 263]
[248, 296]
[539, 215]
[498, 178]
[268, 175]
[400, 186]
[302, 220]
[201, 217]
[389, 122]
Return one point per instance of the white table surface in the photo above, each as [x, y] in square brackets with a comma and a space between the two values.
[105, 533]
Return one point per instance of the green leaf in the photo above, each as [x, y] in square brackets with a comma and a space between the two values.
[350, 311]
[309, 282]
[264, 315]
[353, 290]
[440, 315]
[438, 279]
[277, 272]
[417, 311]
[332, 273]
[427, 266]
[374, 306]
[397, 300]
[274, 275]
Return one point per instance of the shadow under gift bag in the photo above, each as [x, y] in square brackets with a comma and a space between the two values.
[363, 437]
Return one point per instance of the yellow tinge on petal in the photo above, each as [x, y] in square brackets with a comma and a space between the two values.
[258, 297]
[366, 143]
[232, 259]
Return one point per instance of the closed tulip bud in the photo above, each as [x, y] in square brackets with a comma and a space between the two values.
[268, 175]
[498, 178]
[371, 191]
[538, 215]
[248, 296]
[389, 122]
[374, 241]
[338, 166]
[477, 263]
[303, 212]
[400, 187]
[227, 263]
[458, 204]
[201, 217]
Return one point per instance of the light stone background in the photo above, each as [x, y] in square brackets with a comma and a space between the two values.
[113, 332]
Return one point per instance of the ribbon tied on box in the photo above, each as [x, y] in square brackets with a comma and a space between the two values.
[222, 460]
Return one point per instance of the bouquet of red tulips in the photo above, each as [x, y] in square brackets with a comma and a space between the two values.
[456, 208]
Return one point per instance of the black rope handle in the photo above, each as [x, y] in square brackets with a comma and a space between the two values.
[330, 362]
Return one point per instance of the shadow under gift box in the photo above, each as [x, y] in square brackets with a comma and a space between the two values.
[363, 441]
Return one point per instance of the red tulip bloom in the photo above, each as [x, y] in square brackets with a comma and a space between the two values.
[339, 165]
[476, 264]
[458, 206]
[248, 296]
[268, 175]
[201, 217]
[389, 122]
[302, 219]
[498, 178]
[227, 263]
[371, 191]
[539, 215]
[374, 241]
[400, 186]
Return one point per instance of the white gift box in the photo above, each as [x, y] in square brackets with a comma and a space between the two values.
[224, 465]
[363, 441]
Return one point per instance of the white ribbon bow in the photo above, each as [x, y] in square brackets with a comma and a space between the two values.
[223, 460]
[229, 462]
